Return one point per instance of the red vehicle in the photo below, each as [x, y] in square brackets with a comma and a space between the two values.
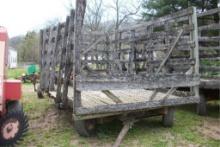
[13, 121]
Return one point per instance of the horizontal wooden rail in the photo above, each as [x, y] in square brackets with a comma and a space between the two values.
[138, 82]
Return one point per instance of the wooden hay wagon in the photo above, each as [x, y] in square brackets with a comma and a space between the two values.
[130, 73]
[209, 50]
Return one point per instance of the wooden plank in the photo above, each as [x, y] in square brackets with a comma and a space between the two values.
[61, 63]
[147, 82]
[209, 12]
[170, 51]
[112, 96]
[79, 17]
[157, 21]
[214, 26]
[209, 39]
[210, 83]
[195, 51]
[68, 60]
[135, 106]
[210, 68]
[41, 46]
[217, 48]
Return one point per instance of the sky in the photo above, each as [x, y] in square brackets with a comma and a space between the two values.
[20, 16]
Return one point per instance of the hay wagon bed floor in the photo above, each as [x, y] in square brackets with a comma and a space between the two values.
[98, 98]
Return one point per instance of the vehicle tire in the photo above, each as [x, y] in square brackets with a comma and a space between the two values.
[15, 106]
[23, 79]
[40, 94]
[13, 126]
[168, 118]
[201, 106]
[85, 128]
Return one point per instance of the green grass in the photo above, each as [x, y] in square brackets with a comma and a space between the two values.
[51, 127]
[15, 73]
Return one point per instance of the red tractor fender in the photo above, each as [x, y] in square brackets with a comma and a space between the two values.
[12, 90]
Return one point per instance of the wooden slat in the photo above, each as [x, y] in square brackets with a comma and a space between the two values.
[79, 17]
[148, 82]
[112, 96]
[214, 26]
[210, 69]
[210, 39]
[209, 12]
[217, 48]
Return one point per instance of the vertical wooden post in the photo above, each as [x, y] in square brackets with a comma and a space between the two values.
[41, 46]
[131, 54]
[53, 57]
[195, 51]
[107, 46]
[47, 59]
[79, 17]
[61, 66]
[68, 62]
[149, 55]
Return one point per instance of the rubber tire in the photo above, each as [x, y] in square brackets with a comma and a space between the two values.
[18, 114]
[82, 129]
[40, 94]
[201, 106]
[168, 118]
[15, 106]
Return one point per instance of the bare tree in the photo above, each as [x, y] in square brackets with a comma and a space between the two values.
[94, 15]
[123, 11]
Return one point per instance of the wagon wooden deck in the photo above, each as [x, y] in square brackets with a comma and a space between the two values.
[92, 100]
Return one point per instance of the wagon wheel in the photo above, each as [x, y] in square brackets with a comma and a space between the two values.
[201, 106]
[40, 94]
[85, 128]
[168, 118]
[13, 126]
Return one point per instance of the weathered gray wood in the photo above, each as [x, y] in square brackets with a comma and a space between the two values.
[41, 64]
[68, 65]
[79, 17]
[211, 83]
[195, 51]
[112, 96]
[162, 19]
[209, 12]
[209, 68]
[61, 63]
[126, 126]
[169, 53]
[213, 26]
[146, 82]
[210, 39]
[135, 106]
[217, 48]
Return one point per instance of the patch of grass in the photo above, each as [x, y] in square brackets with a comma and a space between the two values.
[50, 131]
[15, 73]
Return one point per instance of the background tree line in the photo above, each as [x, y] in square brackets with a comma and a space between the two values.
[27, 47]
